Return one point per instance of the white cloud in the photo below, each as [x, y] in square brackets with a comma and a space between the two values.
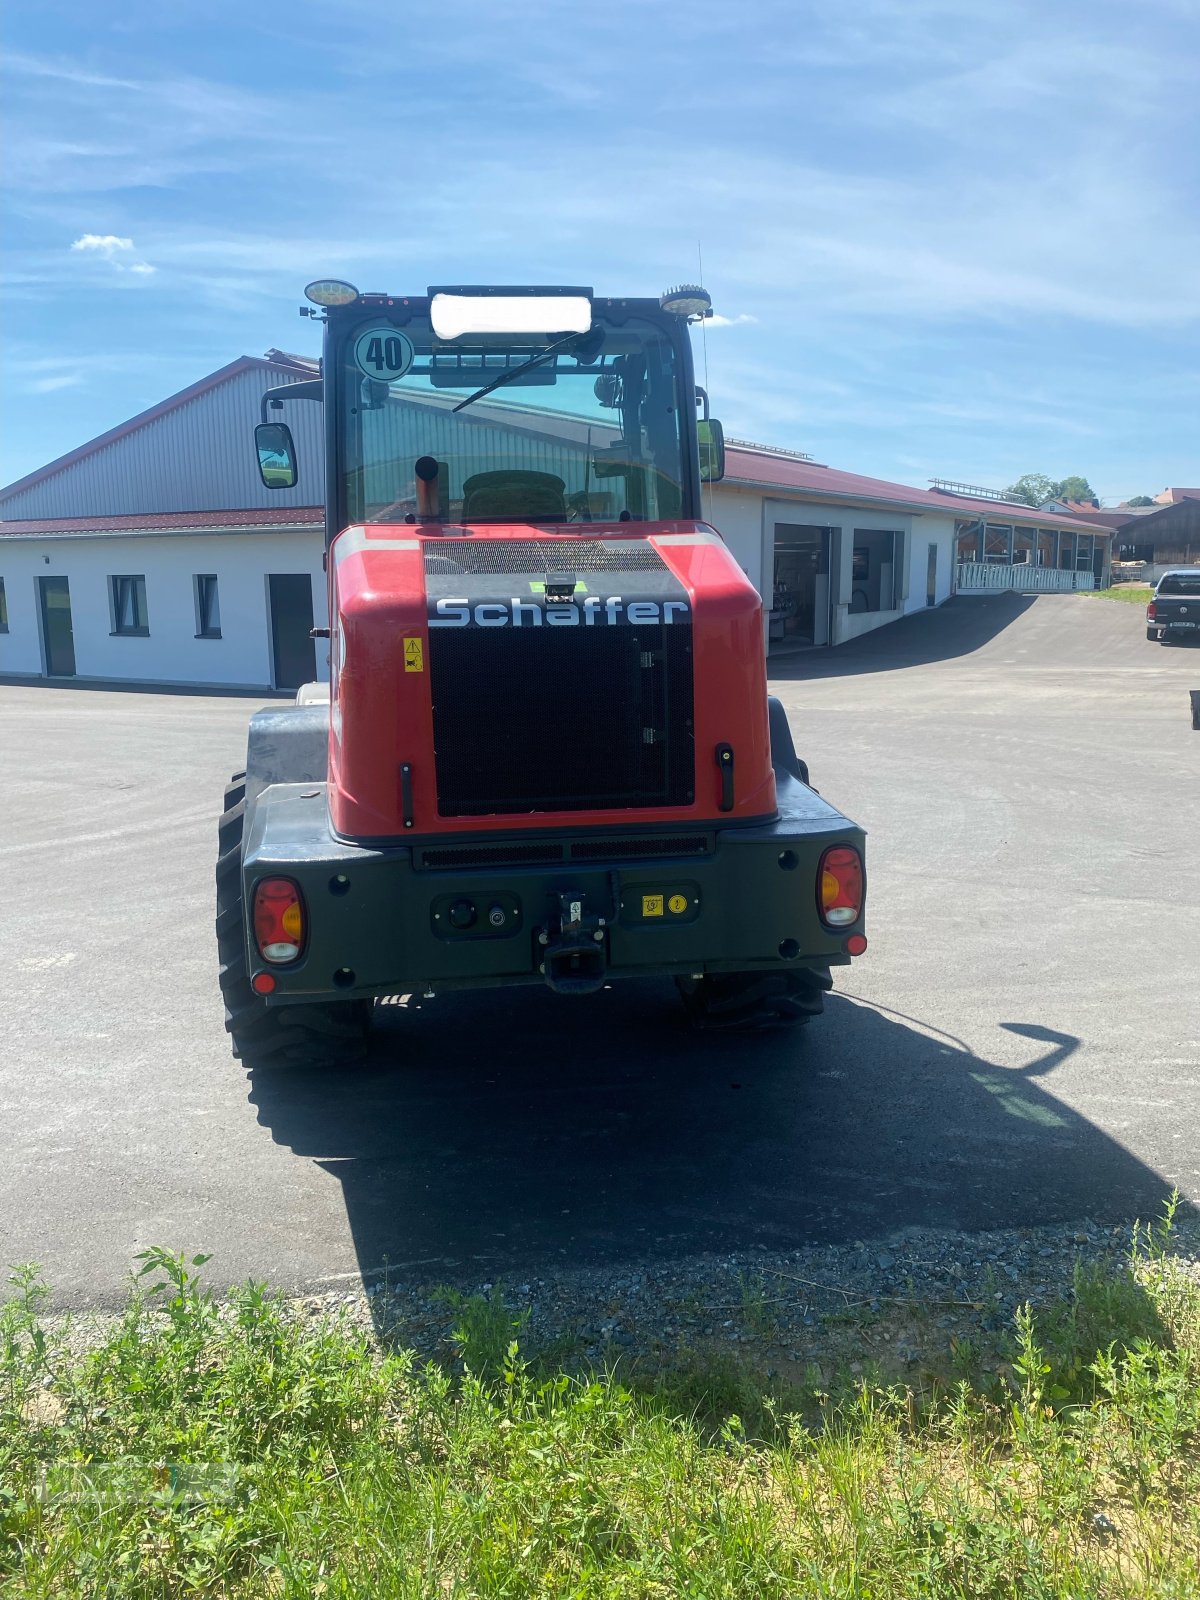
[111, 247]
[18, 61]
[104, 244]
[718, 321]
[64, 380]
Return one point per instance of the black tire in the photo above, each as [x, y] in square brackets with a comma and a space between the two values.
[783, 750]
[1152, 633]
[749, 1002]
[325, 1035]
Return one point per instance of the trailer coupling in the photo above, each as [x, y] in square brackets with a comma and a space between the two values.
[573, 956]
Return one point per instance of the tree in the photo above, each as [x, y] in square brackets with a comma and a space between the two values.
[1035, 488]
[1140, 500]
[1076, 488]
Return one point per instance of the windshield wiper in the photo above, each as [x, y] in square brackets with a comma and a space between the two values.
[534, 361]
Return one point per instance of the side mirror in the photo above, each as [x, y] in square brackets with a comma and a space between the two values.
[276, 455]
[712, 450]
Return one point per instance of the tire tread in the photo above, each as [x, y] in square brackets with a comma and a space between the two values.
[321, 1035]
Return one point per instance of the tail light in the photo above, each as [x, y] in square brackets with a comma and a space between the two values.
[840, 886]
[278, 920]
[1150, 612]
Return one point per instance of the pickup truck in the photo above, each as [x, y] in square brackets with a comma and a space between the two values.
[1174, 612]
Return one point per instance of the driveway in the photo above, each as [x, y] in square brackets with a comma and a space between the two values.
[1021, 1044]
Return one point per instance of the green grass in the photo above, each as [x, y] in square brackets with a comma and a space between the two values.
[1136, 594]
[1064, 1463]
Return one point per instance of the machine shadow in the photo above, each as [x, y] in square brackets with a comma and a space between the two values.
[517, 1132]
[957, 628]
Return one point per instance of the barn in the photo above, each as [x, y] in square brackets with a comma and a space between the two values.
[154, 554]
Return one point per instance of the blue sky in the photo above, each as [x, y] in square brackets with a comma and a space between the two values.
[945, 237]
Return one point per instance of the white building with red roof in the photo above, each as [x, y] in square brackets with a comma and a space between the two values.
[154, 554]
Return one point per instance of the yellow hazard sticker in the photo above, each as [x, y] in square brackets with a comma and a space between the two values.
[677, 903]
[414, 655]
[652, 905]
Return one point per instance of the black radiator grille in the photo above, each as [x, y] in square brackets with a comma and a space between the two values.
[612, 847]
[491, 855]
[625, 849]
[538, 556]
[562, 718]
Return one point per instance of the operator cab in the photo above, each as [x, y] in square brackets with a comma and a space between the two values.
[543, 406]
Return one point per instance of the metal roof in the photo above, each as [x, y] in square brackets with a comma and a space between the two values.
[747, 466]
[248, 521]
[764, 469]
[285, 367]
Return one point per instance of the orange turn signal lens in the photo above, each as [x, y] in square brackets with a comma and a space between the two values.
[278, 920]
[840, 886]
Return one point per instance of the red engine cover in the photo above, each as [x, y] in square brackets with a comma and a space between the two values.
[381, 713]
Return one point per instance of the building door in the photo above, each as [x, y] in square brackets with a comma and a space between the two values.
[931, 577]
[293, 657]
[800, 597]
[58, 636]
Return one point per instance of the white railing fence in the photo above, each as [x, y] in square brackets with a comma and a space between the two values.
[978, 577]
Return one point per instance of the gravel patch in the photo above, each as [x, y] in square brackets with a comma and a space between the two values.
[904, 1306]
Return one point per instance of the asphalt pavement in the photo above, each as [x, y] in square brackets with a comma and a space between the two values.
[1021, 1044]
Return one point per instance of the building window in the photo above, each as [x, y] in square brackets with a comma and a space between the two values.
[128, 596]
[3, 608]
[970, 537]
[996, 544]
[208, 606]
[876, 570]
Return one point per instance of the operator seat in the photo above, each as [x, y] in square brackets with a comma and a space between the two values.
[515, 496]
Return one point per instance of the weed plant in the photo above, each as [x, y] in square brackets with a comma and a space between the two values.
[1136, 594]
[243, 1448]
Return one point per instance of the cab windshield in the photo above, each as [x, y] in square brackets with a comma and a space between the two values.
[590, 433]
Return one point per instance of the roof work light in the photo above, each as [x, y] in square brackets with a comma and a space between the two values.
[688, 300]
[330, 292]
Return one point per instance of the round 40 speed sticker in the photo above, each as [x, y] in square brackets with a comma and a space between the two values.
[383, 352]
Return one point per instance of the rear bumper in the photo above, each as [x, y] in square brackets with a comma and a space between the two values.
[381, 921]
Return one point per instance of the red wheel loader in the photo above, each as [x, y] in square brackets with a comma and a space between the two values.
[545, 753]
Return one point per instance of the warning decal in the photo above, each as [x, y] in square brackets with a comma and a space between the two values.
[414, 655]
[671, 906]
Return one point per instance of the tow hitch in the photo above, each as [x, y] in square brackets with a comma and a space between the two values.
[574, 954]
